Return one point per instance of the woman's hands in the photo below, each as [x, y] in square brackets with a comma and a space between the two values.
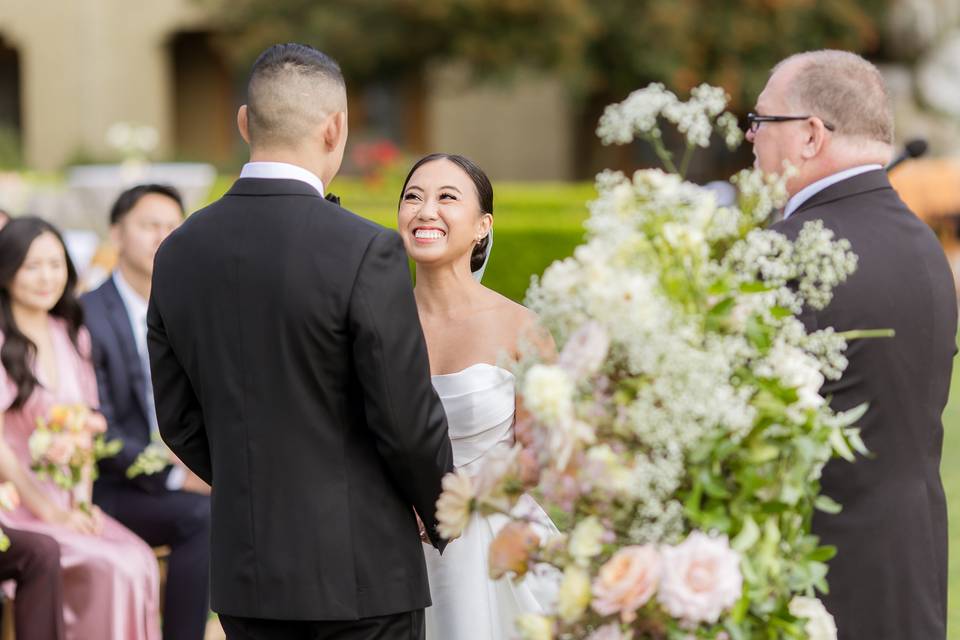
[88, 522]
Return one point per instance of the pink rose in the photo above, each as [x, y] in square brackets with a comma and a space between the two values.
[96, 423]
[82, 440]
[627, 581]
[701, 578]
[61, 449]
[585, 351]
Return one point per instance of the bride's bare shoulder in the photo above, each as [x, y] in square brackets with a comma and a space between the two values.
[523, 325]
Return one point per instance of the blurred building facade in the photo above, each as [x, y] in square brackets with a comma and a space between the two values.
[70, 70]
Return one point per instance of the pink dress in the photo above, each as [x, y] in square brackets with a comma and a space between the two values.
[111, 581]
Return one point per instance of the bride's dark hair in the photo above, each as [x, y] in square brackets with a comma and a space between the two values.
[18, 351]
[484, 194]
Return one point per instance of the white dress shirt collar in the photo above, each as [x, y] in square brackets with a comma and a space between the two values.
[133, 301]
[812, 189]
[283, 171]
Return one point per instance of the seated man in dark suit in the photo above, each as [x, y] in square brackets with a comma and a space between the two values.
[170, 507]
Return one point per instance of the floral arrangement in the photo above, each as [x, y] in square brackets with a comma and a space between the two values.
[134, 142]
[154, 458]
[65, 446]
[9, 500]
[681, 431]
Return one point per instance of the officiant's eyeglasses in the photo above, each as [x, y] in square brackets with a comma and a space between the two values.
[754, 120]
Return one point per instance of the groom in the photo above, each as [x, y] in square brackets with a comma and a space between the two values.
[291, 374]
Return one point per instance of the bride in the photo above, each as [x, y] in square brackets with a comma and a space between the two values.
[445, 217]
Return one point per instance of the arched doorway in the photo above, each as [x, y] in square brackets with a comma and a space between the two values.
[11, 139]
[205, 100]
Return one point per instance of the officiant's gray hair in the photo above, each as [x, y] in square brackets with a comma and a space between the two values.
[843, 89]
[292, 88]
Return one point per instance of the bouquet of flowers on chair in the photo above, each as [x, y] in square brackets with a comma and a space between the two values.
[65, 447]
[9, 500]
[680, 436]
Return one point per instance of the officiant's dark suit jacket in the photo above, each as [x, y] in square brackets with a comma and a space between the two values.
[290, 372]
[889, 578]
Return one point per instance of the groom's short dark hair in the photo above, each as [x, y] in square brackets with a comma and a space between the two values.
[291, 87]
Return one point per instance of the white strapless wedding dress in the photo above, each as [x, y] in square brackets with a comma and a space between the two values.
[467, 604]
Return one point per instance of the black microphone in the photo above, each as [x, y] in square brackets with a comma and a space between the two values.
[913, 149]
[335, 199]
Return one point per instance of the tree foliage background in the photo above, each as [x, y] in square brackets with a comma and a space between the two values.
[602, 49]
[598, 46]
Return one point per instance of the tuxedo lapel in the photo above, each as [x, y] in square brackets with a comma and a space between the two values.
[120, 323]
[858, 184]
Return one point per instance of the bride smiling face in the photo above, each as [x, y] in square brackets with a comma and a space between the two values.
[445, 212]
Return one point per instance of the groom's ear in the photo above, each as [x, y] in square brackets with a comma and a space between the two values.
[243, 124]
[335, 130]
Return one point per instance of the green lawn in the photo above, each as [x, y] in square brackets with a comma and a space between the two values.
[950, 470]
[540, 222]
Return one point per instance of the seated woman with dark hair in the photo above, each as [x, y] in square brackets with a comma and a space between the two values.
[110, 576]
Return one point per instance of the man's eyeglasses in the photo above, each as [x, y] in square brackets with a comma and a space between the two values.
[754, 120]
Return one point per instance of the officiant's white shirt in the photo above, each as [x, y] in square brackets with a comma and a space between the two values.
[281, 171]
[812, 189]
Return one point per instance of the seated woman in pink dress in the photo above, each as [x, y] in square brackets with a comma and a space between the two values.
[110, 576]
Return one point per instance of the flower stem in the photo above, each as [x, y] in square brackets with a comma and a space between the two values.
[685, 161]
[859, 334]
[657, 143]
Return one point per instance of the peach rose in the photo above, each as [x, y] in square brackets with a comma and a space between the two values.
[61, 449]
[627, 581]
[82, 440]
[510, 551]
[96, 423]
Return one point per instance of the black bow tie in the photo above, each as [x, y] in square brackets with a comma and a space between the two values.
[335, 199]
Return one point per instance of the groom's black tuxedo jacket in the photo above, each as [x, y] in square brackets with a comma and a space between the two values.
[290, 372]
[889, 578]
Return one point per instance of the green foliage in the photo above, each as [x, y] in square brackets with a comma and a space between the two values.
[374, 39]
[608, 47]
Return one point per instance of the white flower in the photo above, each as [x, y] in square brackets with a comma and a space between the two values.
[39, 442]
[533, 626]
[455, 504]
[798, 370]
[548, 394]
[609, 471]
[820, 624]
[701, 578]
[586, 541]
[574, 596]
[585, 351]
